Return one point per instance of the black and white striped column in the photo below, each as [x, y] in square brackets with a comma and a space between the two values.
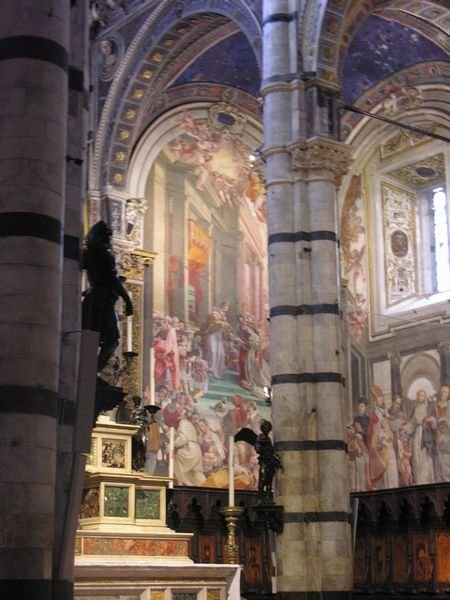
[314, 551]
[33, 109]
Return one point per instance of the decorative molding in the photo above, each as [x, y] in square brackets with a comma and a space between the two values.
[402, 140]
[224, 116]
[406, 98]
[426, 172]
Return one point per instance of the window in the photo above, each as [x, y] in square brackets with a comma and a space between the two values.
[441, 239]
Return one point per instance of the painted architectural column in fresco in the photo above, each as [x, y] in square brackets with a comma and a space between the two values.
[34, 75]
[226, 252]
[178, 242]
[155, 234]
[444, 354]
[396, 375]
[314, 550]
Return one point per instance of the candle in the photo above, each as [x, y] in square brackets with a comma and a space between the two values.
[152, 376]
[171, 457]
[231, 471]
[130, 334]
[130, 331]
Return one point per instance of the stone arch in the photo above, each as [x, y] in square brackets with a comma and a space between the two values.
[137, 82]
[388, 98]
[163, 130]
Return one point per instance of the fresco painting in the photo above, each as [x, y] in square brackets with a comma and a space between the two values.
[211, 348]
[400, 441]
[353, 259]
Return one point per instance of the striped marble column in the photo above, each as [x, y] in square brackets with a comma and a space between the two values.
[33, 109]
[303, 169]
[70, 465]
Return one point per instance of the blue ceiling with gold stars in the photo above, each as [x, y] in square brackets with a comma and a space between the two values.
[381, 48]
[230, 62]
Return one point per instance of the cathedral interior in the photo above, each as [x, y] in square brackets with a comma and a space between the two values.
[273, 176]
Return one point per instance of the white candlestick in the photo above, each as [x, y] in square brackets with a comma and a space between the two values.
[171, 456]
[130, 331]
[130, 334]
[152, 376]
[231, 471]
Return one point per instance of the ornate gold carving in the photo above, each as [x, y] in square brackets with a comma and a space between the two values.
[120, 156]
[130, 114]
[147, 74]
[133, 264]
[124, 134]
[231, 514]
[399, 243]
[321, 154]
[131, 377]
[404, 139]
[138, 93]
[134, 215]
[123, 369]
[117, 177]
[332, 26]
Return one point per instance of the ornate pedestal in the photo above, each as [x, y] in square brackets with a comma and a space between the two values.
[124, 548]
[123, 512]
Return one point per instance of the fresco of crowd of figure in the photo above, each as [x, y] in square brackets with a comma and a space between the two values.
[186, 364]
[406, 444]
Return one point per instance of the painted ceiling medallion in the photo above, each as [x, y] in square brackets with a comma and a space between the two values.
[224, 116]
[423, 172]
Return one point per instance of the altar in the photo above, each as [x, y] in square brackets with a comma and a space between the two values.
[124, 548]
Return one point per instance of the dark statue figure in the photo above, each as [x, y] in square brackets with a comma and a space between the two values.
[105, 288]
[269, 463]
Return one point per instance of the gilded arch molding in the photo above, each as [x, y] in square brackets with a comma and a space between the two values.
[145, 71]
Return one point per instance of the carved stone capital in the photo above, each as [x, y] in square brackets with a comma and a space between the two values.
[395, 358]
[443, 348]
[321, 154]
[133, 264]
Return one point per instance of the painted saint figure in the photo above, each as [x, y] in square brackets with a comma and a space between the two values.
[422, 427]
[382, 459]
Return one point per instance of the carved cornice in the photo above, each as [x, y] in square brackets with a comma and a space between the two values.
[321, 154]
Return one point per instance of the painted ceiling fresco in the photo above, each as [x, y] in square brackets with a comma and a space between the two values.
[381, 48]
[230, 62]
[223, 161]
